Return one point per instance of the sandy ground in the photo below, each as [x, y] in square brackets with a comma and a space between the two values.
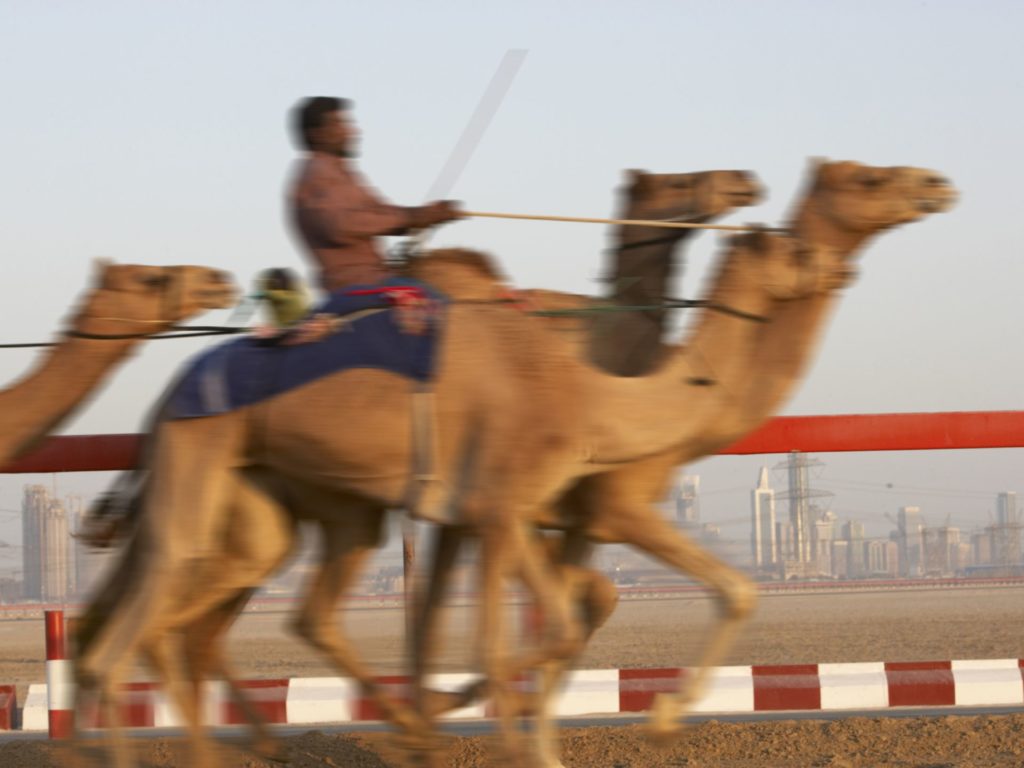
[838, 627]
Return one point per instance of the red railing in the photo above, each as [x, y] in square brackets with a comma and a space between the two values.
[811, 434]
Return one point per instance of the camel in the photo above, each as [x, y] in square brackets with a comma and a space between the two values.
[691, 196]
[844, 206]
[127, 304]
[831, 196]
[757, 267]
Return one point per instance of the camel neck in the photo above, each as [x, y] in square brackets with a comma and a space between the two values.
[655, 412]
[644, 265]
[786, 345]
[40, 401]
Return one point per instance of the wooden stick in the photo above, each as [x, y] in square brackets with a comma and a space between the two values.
[636, 222]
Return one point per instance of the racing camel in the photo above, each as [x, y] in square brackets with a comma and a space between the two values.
[126, 304]
[896, 213]
[248, 559]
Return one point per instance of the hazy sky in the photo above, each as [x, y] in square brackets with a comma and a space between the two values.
[155, 133]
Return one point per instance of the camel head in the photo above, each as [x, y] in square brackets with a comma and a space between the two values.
[696, 196]
[138, 299]
[852, 201]
[785, 267]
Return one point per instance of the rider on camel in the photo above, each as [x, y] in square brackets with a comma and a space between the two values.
[336, 214]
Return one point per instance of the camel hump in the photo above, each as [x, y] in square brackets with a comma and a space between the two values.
[460, 273]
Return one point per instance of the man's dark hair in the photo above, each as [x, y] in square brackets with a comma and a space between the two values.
[309, 114]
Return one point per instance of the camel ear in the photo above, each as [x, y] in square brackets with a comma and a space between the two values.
[817, 168]
[100, 266]
[635, 177]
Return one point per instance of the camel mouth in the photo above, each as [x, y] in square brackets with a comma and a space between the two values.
[744, 196]
[937, 203]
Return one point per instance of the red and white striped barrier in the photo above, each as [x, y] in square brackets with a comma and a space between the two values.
[8, 706]
[867, 685]
[60, 687]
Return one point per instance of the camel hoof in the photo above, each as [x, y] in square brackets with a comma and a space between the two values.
[662, 738]
[412, 724]
[664, 728]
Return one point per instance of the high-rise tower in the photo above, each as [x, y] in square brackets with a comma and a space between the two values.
[762, 523]
[48, 562]
[910, 537]
[688, 500]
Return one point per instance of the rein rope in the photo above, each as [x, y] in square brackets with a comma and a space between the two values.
[191, 331]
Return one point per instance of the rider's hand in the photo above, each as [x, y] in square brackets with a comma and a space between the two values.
[448, 210]
[437, 212]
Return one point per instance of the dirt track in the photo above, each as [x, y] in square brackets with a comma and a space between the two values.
[872, 626]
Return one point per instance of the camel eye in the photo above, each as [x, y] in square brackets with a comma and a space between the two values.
[154, 281]
[871, 182]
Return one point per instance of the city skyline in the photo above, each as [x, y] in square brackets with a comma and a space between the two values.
[814, 542]
[723, 483]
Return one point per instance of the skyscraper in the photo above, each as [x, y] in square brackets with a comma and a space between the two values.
[1007, 534]
[762, 523]
[48, 562]
[853, 532]
[688, 500]
[910, 537]
[1006, 508]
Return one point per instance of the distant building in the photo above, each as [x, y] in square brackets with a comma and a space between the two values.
[823, 535]
[764, 547]
[981, 547]
[853, 532]
[688, 500]
[881, 558]
[1007, 537]
[48, 557]
[941, 551]
[1006, 508]
[840, 559]
[910, 538]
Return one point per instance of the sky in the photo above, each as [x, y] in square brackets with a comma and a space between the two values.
[156, 133]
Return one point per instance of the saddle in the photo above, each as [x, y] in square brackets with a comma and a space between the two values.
[394, 326]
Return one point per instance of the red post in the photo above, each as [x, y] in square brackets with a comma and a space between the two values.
[60, 696]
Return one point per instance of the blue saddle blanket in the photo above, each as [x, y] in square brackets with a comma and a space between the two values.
[248, 370]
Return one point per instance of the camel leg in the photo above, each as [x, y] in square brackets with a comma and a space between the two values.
[347, 545]
[204, 659]
[736, 596]
[595, 597]
[185, 693]
[260, 537]
[447, 541]
[509, 548]
[177, 537]
[494, 545]
[110, 710]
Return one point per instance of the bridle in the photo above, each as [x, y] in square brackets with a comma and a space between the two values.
[172, 304]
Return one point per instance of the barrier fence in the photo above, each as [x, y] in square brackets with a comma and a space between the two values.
[810, 434]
